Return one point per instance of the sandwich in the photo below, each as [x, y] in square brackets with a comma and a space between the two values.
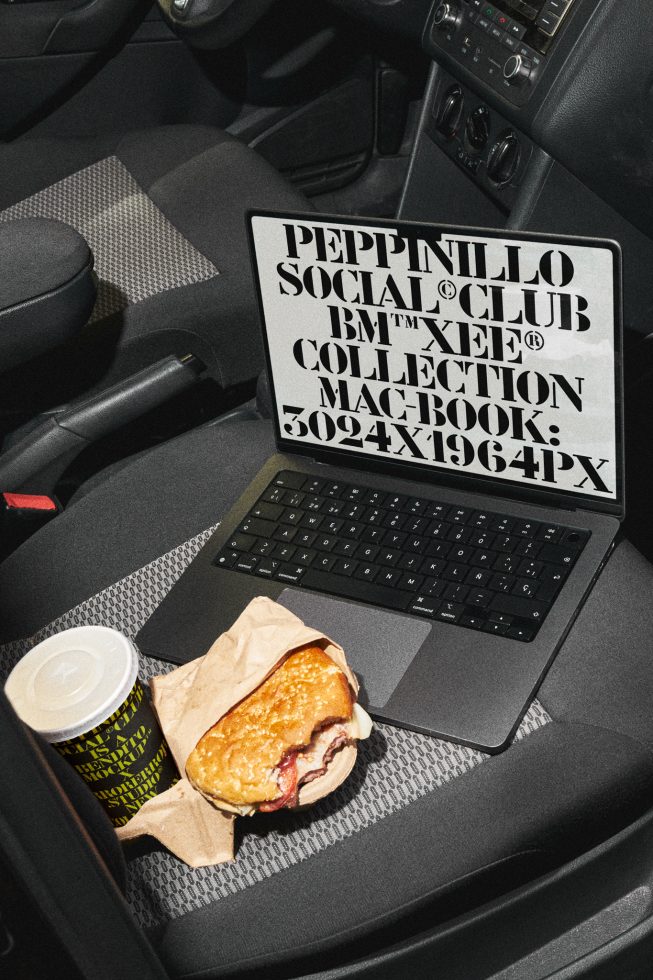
[290, 742]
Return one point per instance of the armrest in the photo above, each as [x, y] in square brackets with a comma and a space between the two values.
[47, 290]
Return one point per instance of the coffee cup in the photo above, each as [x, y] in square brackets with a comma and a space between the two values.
[80, 690]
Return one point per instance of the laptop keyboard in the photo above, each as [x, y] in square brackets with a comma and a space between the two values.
[477, 569]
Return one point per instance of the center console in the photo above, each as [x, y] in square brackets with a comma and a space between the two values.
[506, 47]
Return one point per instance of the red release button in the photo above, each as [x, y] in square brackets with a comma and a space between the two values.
[28, 501]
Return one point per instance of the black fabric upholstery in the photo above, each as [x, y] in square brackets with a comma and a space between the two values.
[203, 180]
[553, 795]
[557, 792]
[46, 288]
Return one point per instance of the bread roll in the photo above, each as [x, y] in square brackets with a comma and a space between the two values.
[248, 759]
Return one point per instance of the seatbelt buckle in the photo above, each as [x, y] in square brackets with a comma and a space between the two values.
[21, 515]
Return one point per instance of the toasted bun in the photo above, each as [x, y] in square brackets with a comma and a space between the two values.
[234, 763]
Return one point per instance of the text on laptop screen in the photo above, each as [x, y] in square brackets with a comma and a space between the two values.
[482, 355]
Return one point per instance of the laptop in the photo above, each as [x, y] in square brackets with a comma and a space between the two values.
[448, 480]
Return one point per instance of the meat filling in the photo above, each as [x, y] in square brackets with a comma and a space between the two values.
[304, 765]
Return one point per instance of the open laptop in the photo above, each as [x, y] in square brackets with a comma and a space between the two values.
[449, 475]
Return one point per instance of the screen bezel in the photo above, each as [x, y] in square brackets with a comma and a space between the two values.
[433, 474]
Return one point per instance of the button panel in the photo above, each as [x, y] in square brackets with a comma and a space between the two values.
[483, 37]
[483, 143]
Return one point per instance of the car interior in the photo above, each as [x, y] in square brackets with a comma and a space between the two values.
[135, 405]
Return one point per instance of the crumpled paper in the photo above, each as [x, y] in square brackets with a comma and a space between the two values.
[191, 699]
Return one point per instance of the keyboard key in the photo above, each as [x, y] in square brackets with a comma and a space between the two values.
[433, 566]
[389, 556]
[558, 554]
[433, 586]
[524, 633]
[459, 515]
[331, 526]
[417, 545]
[269, 512]
[530, 569]
[314, 504]
[290, 480]
[241, 542]
[291, 516]
[284, 552]
[373, 535]
[507, 564]
[455, 573]
[305, 538]
[354, 588]
[394, 539]
[267, 567]
[416, 525]
[439, 549]
[572, 538]
[458, 532]
[438, 529]
[290, 573]
[394, 521]
[373, 516]
[525, 529]
[497, 617]
[293, 498]
[332, 508]
[313, 521]
[502, 583]
[529, 609]
[354, 494]
[437, 510]
[461, 553]
[374, 497]
[304, 556]
[479, 577]
[350, 530]
[525, 587]
[503, 525]
[410, 562]
[482, 539]
[528, 548]
[414, 505]
[472, 622]
[367, 572]
[313, 485]
[353, 512]
[325, 542]
[272, 495]
[395, 501]
[410, 582]
[226, 558]
[345, 566]
[285, 533]
[497, 628]
[484, 559]
[450, 612]
[424, 606]
[245, 563]
[263, 547]
[480, 597]
[505, 543]
[346, 548]
[455, 593]
[367, 552]
[389, 577]
[325, 562]
[549, 533]
[333, 489]
[480, 519]
[258, 527]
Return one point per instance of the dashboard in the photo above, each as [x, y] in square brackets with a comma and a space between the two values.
[538, 115]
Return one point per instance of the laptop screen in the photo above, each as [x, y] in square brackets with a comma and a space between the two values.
[486, 355]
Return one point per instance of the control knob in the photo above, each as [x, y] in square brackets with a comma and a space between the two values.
[517, 70]
[446, 16]
[450, 113]
[503, 161]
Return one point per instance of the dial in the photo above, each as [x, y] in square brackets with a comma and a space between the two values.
[517, 70]
[477, 128]
[446, 16]
[504, 158]
[450, 112]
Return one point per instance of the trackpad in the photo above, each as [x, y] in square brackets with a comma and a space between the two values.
[379, 645]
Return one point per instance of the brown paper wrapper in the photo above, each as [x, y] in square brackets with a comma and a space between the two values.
[191, 699]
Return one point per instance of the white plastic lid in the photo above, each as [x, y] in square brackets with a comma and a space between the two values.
[73, 681]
